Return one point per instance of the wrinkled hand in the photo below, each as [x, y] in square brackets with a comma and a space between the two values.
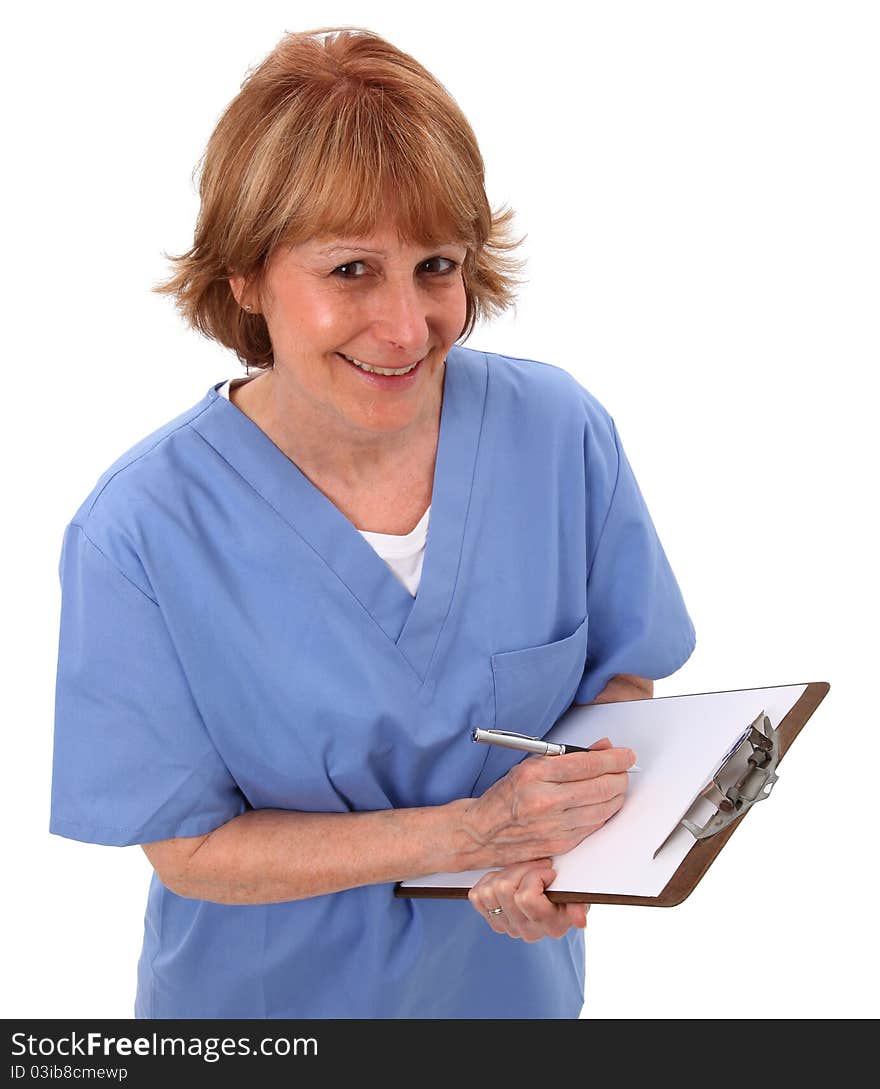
[527, 913]
[545, 805]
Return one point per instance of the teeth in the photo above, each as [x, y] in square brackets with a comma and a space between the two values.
[379, 370]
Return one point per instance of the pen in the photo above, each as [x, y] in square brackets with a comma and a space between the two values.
[524, 743]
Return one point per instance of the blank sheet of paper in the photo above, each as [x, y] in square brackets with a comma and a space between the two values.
[680, 742]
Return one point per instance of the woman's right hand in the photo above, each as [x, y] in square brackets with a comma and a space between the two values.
[546, 805]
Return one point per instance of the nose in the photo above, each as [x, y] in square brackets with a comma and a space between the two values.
[401, 318]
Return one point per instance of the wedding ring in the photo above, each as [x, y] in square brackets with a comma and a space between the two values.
[496, 911]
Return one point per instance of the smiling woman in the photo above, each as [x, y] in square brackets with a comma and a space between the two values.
[284, 612]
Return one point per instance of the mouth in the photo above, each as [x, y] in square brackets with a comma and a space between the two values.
[388, 372]
[383, 375]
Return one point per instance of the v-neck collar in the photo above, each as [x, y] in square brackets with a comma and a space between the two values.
[413, 625]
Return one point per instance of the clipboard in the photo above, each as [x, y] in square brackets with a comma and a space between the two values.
[744, 776]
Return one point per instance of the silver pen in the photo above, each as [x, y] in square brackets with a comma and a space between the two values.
[534, 745]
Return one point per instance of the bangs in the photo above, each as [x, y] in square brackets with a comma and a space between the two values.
[366, 161]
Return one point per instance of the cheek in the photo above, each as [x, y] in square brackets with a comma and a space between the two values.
[455, 309]
[327, 318]
[312, 323]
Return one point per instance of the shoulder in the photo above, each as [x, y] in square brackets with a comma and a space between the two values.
[139, 485]
[529, 390]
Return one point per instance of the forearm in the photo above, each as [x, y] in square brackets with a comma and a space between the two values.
[271, 855]
[623, 687]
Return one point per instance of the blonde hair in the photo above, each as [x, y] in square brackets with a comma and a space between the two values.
[328, 125]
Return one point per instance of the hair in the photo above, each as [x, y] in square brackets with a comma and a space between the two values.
[321, 132]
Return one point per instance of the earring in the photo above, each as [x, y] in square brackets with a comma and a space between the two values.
[248, 307]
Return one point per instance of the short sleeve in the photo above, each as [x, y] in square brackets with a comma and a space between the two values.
[133, 761]
[638, 622]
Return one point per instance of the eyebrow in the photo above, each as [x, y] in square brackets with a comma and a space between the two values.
[329, 251]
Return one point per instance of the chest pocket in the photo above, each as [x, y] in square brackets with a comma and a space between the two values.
[533, 687]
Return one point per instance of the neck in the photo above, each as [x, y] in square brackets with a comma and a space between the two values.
[328, 448]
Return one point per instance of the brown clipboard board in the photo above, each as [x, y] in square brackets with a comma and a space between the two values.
[700, 857]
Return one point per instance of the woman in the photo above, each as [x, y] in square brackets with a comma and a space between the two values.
[284, 612]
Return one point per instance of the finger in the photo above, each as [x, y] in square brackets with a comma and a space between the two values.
[593, 816]
[531, 898]
[513, 872]
[577, 914]
[585, 765]
[546, 919]
[528, 888]
[589, 791]
[578, 823]
[532, 913]
[495, 889]
[486, 901]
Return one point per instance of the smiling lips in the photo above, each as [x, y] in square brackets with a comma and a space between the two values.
[387, 371]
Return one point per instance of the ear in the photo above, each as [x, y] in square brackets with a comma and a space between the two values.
[238, 285]
[244, 294]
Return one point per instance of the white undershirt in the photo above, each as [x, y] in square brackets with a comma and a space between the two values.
[403, 554]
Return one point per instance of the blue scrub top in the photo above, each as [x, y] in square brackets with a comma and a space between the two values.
[230, 641]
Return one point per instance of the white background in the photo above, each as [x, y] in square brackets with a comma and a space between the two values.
[699, 183]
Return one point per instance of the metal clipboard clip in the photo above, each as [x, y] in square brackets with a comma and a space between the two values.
[750, 783]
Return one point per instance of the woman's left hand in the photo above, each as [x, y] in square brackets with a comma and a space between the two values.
[526, 912]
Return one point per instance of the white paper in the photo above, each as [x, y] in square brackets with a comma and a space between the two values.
[680, 742]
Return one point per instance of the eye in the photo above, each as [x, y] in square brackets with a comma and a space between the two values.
[340, 271]
[452, 265]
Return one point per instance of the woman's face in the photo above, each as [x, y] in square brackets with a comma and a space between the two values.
[376, 300]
